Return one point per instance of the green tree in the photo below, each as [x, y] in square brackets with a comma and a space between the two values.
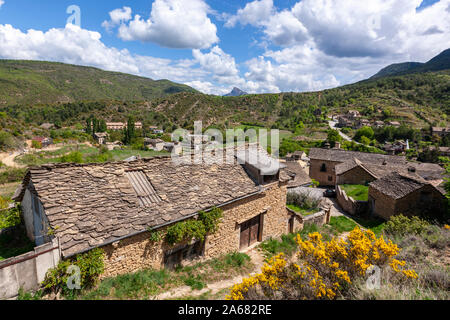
[89, 126]
[333, 137]
[364, 132]
[129, 131]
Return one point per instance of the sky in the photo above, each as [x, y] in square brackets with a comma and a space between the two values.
[258, 46]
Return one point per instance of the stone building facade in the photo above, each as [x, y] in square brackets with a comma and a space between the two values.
[114, 205]
[138, 252]
[404, 194]
[336, 166]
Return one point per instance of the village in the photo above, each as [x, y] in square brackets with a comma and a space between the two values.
[145, 212]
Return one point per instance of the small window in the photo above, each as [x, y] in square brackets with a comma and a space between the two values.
[323, 168]
[330, 178]
[174, 258]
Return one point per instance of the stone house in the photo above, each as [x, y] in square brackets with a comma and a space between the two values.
[440, 131]
[155, 144]
[115, 206]
[379, 124]
[101, 137]
[396, 147]
[406, 194]
[44, 141]
[363, 123]
[337, 166]
[296, 156]
[299, 176]
[395, 124]
[173, 147]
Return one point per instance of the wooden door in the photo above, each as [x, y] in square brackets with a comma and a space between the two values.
[291, 224]
[254, 230]
[249, 232]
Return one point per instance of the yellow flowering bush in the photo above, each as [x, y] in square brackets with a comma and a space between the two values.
[324, 269]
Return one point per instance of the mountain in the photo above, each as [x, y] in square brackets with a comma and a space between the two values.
[38, 82]
[236, 92]
[438, 63]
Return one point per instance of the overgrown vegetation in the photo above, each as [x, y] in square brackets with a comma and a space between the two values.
[91, 266]
[304, 203]
[14, 242]
[207, 222]
[408, 252]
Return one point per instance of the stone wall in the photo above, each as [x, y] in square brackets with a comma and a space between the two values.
[380, 204]
[349, 205]
[28, 270]
[327, 178]
[138, 252]
[319, 218]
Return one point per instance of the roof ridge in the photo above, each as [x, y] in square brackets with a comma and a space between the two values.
[73, 165]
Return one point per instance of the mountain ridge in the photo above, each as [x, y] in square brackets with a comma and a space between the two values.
[437, 63]
[43, 82]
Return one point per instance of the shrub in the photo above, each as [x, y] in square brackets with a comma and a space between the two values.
[10, 218]
[36, 144]
[236, 259]
[73, 157]
[303, 200]
[91, 267]
[401, 225]
[326, 270]
[195, 282]
[155, 236]
[12, 175]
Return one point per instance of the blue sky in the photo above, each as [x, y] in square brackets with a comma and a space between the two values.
[214, 45]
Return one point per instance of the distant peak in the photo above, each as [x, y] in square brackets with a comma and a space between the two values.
[236, 92]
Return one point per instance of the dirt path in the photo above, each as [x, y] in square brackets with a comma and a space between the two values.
[8, 159]
[215, 287]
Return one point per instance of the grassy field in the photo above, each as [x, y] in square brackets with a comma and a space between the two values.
[356, 191]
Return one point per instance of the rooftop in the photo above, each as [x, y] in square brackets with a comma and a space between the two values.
[92, 204]
[397, 185]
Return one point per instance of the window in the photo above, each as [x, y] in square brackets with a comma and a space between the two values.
[330, 178]
[323, 168]
[174, 258]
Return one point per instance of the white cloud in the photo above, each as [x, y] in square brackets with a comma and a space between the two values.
[117, 16]
[325, 43]
[82, 47]
[1, 3]
[253, 13]
[208, 87]
[173, 24]
[285, 29]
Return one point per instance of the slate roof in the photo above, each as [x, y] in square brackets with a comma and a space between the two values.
[92, 204]
[351, 164]
[295, 170]
[397, 185]
[378, 165]
[340, 155]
